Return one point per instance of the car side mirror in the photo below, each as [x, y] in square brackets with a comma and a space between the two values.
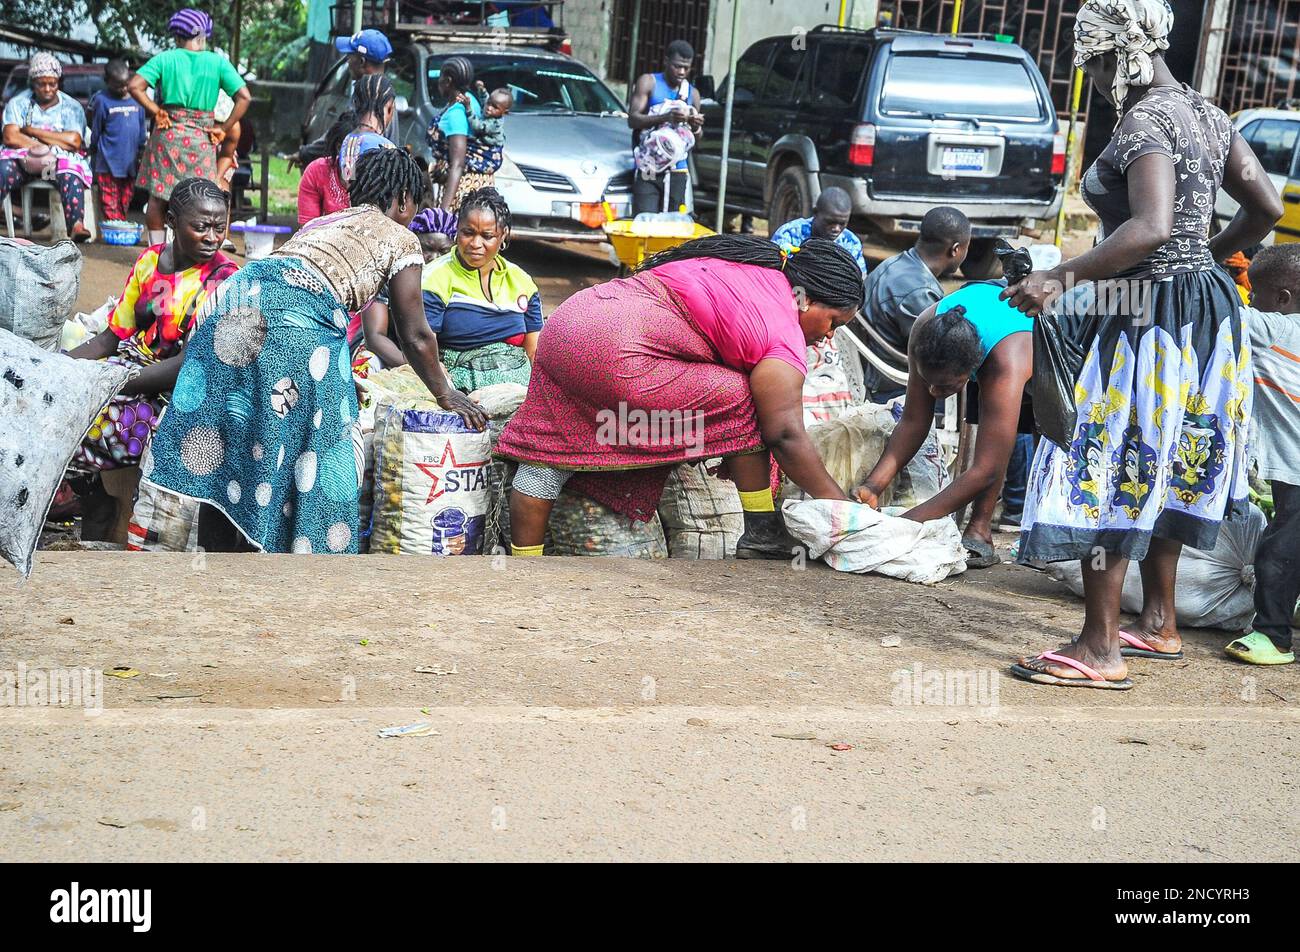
[403, 105]
[708, 89]
[743, 97]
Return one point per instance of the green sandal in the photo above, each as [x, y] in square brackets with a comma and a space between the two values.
[1258, 648]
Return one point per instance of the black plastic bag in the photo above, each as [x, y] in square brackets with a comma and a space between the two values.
[1016, 262]
[1062, 335]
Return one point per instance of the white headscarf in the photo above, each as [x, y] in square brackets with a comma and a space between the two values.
[42, 65]
[1132, 30]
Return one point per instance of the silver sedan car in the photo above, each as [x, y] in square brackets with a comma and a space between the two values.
[568, 147]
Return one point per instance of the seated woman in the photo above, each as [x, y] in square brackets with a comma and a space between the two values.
[486, 311]
[43, 129]
[321, 191]
[699, 354]
[259, 429]
[969, 335]
[151, 323]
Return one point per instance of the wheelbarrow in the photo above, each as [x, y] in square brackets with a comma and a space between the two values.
[635, 241]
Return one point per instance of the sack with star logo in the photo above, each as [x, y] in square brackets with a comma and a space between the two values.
[430, 484]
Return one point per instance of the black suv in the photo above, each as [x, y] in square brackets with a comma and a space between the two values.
[903, 121]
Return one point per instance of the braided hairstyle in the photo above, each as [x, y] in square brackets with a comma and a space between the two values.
[189, 192]
[371, 94]
[383, 175]
[459, 72]
[485, 199]
[948, 344]
[825, 271]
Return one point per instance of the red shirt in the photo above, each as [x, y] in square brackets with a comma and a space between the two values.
[321, 190]
[747, 312]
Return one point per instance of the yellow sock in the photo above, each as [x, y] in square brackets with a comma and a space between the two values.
[526, 550]
[760, 500]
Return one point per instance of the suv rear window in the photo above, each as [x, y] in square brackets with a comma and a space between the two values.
[538, 85]
[986, 87]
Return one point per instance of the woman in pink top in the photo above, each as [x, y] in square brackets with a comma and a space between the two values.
[321, 191]
[699, 354]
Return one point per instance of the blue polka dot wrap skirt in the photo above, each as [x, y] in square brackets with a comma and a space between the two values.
[262, 416]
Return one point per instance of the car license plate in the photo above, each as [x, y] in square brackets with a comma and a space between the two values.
[964, 160]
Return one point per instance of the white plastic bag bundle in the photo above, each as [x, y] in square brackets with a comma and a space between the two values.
[47, 402]
[41, 285]
[851, 537]
[701, 514]
[430, 484]
[82, 326]
[1216, 589]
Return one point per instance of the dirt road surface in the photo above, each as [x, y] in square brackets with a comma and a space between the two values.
[612, 709]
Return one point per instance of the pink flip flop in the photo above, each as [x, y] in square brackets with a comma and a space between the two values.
[1137, 648]
[1092, 678]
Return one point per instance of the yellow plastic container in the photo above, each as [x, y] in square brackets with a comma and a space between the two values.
[634, 244]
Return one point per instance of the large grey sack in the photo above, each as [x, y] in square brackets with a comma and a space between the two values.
[47, 403]
[1216, 589]
[43, 283]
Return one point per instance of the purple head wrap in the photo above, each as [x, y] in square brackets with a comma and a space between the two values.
[434, 221]
[189, 23]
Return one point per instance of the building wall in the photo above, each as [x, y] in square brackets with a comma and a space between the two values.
[763, 18]
[588, 24]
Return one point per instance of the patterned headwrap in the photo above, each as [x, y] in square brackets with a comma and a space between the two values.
[189, 23]
[434, 221]
[1132, 30]
[44, 64]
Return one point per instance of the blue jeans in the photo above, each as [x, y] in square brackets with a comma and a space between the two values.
[1013, 490]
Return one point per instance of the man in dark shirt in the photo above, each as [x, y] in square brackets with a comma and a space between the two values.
[903, 286]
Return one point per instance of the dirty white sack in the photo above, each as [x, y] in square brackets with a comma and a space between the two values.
[852, 537]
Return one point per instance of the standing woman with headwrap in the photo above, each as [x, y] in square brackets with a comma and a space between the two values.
[43, 129]
[185, 134]
[1157, 456]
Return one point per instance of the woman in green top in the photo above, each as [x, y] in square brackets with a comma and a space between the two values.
[185, 135]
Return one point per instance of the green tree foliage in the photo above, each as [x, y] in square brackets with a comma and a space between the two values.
[269, 29]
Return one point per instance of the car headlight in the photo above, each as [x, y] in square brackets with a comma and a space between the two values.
[509, 171]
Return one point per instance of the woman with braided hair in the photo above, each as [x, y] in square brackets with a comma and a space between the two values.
[1154, 454]
[373, 105]
[699, 354]
[486, 310]
[152, 321]
[460, 166]
[261, 419]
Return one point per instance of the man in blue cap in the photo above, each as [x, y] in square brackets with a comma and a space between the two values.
[368, 53]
